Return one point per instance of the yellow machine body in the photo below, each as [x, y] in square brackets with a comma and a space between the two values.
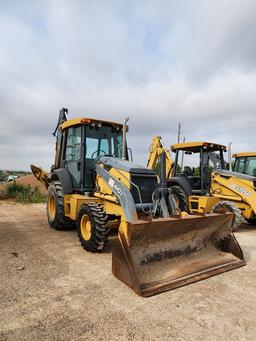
[233, 189]
[244, 154]
[153, 253]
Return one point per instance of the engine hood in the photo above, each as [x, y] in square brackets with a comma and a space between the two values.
[235, 174]
[125, 165]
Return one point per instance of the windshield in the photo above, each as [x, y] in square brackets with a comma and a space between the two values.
[103, 141]
[251, 166]
[189, 162]
[239, 166]
[246, 165]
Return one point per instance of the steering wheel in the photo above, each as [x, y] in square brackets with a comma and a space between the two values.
[96, 151]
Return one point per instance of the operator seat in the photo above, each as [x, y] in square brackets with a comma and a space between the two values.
[194, 181]
[188, 171]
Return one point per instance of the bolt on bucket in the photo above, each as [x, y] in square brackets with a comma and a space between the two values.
[166, 253]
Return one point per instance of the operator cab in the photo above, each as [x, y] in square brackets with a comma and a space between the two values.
[194, 162]
[83, 142]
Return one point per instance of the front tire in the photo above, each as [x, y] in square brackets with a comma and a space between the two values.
[180, 197]
[228, 206]
[55, 208]
[92, 227]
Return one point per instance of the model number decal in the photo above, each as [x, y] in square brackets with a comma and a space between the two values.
[113, 185]
[118, 189]
[240, 190]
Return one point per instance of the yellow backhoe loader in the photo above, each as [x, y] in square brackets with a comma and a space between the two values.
[209, 187]
[94, 187]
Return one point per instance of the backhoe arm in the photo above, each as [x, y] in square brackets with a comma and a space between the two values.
[156, 149]
[41, 175]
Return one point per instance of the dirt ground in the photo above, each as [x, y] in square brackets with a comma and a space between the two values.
[50, 289]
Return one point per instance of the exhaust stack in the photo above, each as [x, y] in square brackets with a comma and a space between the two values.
[124, 150]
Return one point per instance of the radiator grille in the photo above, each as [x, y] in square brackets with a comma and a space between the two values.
[147, 184]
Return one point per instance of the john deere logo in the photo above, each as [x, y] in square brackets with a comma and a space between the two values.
[240, 189]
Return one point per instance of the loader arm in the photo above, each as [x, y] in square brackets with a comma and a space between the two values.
[156, 149]
[121, 192]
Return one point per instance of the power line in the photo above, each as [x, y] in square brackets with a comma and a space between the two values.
[230, 125]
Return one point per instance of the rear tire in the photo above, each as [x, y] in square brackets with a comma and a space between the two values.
[228, 206]
[180, 197]
[55, 208]
[92, 227]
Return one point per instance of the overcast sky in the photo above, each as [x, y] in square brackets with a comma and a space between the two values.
[160, 62]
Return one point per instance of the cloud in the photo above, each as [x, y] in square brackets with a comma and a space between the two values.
[160, 63]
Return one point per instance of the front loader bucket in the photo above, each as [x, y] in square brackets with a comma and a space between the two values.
[152, 257]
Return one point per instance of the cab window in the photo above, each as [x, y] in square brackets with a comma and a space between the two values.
[251, 166]
[239, 166]
[73, 146]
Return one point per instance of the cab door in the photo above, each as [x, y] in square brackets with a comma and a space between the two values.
[239, 165]
[251, 165]
[72, 155]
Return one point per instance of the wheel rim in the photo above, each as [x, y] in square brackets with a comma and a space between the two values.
[86, 227]
[51, 206]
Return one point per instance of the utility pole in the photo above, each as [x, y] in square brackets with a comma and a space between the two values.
[179, 129]
[182, 155]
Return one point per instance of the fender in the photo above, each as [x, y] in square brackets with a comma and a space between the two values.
[182, 182]
[122, 193]
[64, 177]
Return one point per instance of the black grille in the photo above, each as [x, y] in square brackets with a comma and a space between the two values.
[146, 184]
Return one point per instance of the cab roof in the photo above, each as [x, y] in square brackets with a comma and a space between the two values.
[89, 121]
[195, 147]
[244, 154]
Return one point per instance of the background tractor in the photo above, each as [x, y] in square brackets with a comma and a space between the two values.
[200, 180]
[93, 187]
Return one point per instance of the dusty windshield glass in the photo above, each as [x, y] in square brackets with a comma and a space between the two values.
[103, 141]
[251, 166]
